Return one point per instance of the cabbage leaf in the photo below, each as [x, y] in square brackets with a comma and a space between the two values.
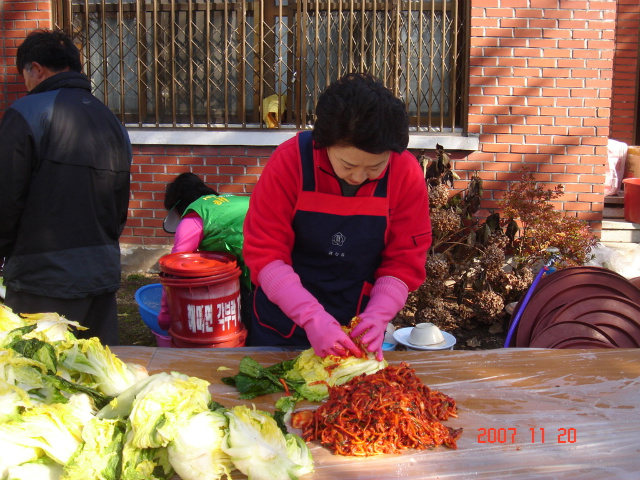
[311, 375]
[111, 375]
[163, 405]
[55, 430]
[42, 468]
[260, 450]
[195, 453]
[144, 463]
[99, 456]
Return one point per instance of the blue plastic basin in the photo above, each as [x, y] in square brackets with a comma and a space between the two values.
[148, 299]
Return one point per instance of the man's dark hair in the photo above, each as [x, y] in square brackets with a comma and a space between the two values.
[358, 110]
[51, 49]
[185, 189]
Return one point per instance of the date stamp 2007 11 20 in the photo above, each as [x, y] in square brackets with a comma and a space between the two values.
[534, 435]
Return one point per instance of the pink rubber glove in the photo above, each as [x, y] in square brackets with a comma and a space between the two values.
[283, 287]
[387, 298]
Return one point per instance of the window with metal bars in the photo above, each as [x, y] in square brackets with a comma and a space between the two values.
[237, 64]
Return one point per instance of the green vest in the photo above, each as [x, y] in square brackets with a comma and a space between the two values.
[222, 222]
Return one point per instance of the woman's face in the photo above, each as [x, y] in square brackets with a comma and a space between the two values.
[354, 165]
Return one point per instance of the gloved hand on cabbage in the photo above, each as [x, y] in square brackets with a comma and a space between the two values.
[306, 376]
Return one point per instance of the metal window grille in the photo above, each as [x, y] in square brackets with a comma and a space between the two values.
[212, 63]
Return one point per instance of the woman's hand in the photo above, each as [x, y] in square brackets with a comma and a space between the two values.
[388, 297]
[327, 337]
[283, 287]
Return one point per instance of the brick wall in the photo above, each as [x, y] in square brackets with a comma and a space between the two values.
[541, 74]
[624, 118]
[540, 90]
[17, 18]
[232, 170]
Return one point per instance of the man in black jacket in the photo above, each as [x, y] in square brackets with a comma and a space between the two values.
[65, 160]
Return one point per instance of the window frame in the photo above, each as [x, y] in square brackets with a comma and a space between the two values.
[63, 18]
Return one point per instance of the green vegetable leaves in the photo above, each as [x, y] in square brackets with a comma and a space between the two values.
[255, 380]
[38, 350]
[307, 376]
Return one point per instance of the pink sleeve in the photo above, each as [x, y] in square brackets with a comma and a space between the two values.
[188, 236]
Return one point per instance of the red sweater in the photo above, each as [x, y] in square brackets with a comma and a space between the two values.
[268, 232]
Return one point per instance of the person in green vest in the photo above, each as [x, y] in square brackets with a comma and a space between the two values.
[204, 220]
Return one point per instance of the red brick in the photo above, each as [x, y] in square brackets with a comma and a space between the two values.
[508, 157]
[527, 52]
[232, 151]
[232, 170]
[541, 120]
[525, 129]
[512, 81]
[468, 166]
[568, 121]
[570, 83]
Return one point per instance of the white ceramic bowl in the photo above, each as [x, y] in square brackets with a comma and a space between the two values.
[402, 336]
[425, 334]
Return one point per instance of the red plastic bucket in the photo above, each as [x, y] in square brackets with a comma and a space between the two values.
[203, 293]
[632, 199]
[237, 341]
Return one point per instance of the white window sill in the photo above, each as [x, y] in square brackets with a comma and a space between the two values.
[273, 138]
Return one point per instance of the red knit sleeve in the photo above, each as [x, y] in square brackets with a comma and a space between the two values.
[409, 233]
[268, 231]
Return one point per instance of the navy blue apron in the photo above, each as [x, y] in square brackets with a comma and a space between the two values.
[337, 249]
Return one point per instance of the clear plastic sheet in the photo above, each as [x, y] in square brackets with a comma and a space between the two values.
[585, 402]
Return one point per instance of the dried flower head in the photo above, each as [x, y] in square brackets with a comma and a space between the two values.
[438, 195]
[493, 257]
[488, 305]
[445, 221]
[437, 267]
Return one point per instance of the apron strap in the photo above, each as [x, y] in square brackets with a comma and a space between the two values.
[381, 188]
[305, 144]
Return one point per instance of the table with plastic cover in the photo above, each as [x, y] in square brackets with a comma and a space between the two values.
[526, 413]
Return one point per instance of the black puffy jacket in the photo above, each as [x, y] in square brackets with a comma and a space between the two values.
[65, 160]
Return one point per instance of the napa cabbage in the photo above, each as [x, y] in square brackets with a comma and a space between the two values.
[259, 449]
[51, 327]
[9, 321]
[42, 468]
[40, 384]
[52, 430]
[109, 373]
[99, 456]
[12, 400]
[311, 375]
[144, 463]
[195, 452]
[164, 403]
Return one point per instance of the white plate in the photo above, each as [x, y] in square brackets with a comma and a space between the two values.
[402, 336]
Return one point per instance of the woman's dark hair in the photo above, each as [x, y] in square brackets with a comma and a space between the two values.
[359, 111]
[51, 49]
[185, 189]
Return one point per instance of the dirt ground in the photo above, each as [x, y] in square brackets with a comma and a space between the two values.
[133, 331]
